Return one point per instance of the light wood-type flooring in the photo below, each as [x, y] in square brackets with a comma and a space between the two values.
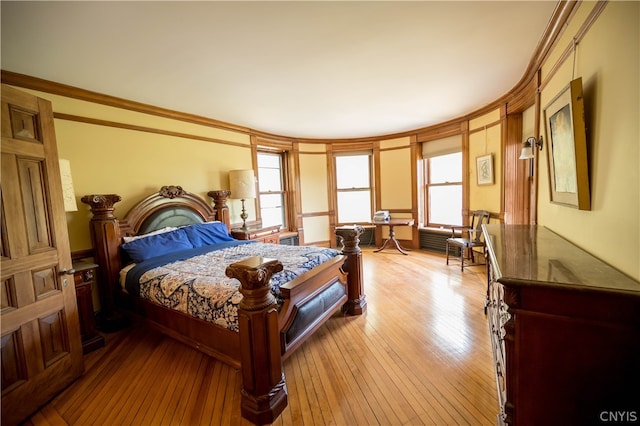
[420, 355]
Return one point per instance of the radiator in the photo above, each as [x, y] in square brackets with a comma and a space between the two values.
[368, 237]
[436, 241]
[289, 241]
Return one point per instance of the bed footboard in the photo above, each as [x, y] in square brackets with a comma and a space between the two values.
[267, 335]
[349, 237]
[309, 301]
[264, 393]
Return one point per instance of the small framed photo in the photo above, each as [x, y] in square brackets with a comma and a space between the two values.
[484, 165]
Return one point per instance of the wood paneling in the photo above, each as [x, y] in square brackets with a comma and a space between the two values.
[517, 182]
[420, 355]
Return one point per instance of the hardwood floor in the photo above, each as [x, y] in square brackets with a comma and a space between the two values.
[419, 355]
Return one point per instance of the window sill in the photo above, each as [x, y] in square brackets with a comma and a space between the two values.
[439, 230]
[287, 234]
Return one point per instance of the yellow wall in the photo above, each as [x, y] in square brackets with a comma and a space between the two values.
[395, 177]
[316, 229]
[314, 182]
[485, 134]
[133, 163]
[607, 59]
[395, 182]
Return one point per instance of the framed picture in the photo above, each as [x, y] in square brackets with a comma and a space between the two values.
[567, 148]
[484, 166]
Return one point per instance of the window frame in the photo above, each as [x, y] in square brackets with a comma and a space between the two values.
[427, 185]
[284, 181]
[369, 188]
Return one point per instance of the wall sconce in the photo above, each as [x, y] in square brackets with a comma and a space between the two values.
[243, 186]
[527, 148]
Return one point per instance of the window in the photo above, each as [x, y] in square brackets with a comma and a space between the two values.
[444, 189]
[353, 184]
[271, 189]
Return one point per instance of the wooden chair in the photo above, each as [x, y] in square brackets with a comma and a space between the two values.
[470, 237]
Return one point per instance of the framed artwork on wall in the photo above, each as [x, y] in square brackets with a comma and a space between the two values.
[484, 167]
[567, 148]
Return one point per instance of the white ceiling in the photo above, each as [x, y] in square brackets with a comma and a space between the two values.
[305, 69]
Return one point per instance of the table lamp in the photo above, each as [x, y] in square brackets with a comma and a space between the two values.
[243, 186]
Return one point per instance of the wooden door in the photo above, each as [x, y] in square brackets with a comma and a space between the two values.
[41, 347]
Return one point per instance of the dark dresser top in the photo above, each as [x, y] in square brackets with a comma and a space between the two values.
[535, 255]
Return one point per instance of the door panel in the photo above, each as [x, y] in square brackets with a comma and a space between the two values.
[44, 283]
[13, 366]
[33, 204]
[40, 332]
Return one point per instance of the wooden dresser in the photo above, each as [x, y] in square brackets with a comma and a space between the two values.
[565, 331]
[267, 234]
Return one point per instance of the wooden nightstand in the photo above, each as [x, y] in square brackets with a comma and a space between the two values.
[84, 277]
[268, 234]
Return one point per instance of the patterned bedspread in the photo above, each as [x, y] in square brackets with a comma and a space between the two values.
[199, 287]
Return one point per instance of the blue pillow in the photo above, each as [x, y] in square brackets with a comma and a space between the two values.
[206, 234]
[157, 245]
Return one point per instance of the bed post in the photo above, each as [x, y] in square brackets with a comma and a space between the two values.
[264, 393]
[349, 237]
[220, 206]
[105, 236]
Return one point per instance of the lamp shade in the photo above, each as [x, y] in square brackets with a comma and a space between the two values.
[68, 193]
[527, 153]
[242, 184]
[527, 148]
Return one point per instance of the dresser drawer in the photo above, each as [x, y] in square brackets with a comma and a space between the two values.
[269, 234]
[273, 239]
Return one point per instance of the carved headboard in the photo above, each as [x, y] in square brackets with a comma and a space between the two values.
[171, 206]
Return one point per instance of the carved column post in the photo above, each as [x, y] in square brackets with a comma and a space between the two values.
[105, 235]
[264, 393]
[220, 205]
[349, 237]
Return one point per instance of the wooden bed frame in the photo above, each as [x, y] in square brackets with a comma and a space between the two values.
[262, 342]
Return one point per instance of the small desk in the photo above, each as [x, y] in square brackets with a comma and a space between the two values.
[391, 223]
